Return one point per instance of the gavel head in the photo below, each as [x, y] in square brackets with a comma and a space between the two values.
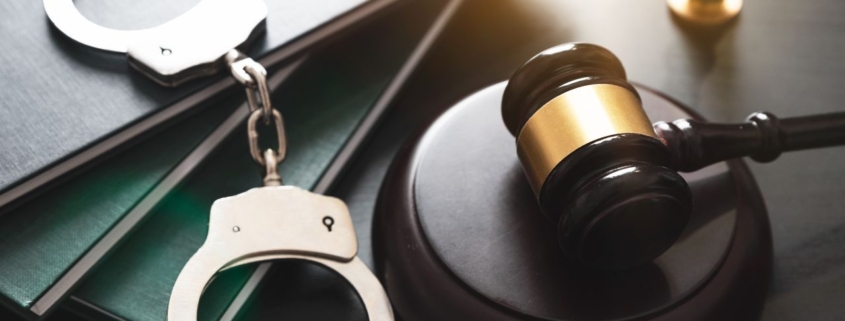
[592, 158]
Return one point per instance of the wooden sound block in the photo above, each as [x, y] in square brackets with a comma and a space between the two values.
[459, 236]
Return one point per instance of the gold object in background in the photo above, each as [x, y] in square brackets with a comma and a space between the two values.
[574, 119]
[706, 12]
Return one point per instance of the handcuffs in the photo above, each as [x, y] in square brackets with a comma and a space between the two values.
[271, 223]
[266, 223]
[190, 46]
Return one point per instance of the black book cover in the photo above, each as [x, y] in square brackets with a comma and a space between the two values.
[65, 105]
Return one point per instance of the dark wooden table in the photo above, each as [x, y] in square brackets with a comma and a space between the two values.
[782, 56]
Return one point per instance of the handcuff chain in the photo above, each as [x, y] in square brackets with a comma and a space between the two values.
[253, 77]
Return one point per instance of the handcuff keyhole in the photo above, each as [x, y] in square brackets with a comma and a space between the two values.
[328, 221]
[165, 51]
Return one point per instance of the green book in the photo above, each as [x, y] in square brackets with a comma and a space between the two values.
[41, 239]
[89, 215]
[329, 104]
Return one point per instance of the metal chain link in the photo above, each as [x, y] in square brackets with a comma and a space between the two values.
[253, 77]
[260, 81]
[252, 132]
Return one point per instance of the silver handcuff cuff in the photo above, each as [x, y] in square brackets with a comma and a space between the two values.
[274, 222]
[266, 223]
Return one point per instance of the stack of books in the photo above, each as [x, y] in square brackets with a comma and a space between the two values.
[104, 198]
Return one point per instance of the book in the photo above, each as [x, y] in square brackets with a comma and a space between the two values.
[113, 210]
[67, 106]
[47, 245]
[330, 103]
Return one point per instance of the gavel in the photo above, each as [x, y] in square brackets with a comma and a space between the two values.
[605, 174]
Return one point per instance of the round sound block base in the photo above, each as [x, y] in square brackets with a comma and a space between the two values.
[459, 236]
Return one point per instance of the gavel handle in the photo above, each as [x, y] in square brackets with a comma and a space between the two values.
[695, 144]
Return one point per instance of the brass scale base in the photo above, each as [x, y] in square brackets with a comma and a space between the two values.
[458, 236]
